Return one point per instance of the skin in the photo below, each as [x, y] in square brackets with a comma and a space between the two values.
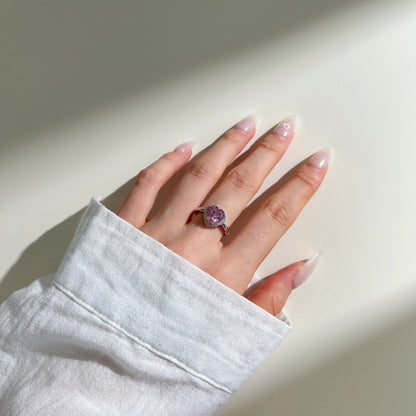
[201, 245]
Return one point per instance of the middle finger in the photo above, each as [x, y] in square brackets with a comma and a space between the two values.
[204, 171]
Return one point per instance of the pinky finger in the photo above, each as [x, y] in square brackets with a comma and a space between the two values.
[140, 200]
[272, 292]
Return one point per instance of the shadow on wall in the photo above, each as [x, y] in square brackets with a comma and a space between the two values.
[61, 60]
[44, 255]
[374, 378]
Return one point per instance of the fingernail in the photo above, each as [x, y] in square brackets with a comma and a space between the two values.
[247, 123]
[184, 147]
[321, 158]
[306, 270]
[285, 128]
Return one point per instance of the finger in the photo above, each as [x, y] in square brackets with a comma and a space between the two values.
[243, 181]
[265, 228]
[271, 293]
[139, 201]
[205, 170]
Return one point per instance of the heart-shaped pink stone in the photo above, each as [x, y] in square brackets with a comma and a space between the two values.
[214, 216]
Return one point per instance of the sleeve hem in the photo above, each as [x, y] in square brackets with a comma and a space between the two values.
[166, 302]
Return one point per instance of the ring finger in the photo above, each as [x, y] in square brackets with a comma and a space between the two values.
[244, 180]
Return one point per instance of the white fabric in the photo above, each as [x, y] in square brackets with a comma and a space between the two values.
[128, 327]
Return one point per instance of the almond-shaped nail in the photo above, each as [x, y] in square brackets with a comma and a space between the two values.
[247, 123]
[285, 128]
[321, 158]
[306, 270]
[184, 147]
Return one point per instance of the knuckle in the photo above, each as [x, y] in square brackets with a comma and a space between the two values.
[277, 303]
[307, 181]
[271, 145]
[203, 170]
[168, 157]
[242, 179]
[232, 136]
[147, 176]
[279, 212]
[275, 299]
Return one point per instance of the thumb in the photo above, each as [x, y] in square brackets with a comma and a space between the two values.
[271, 293]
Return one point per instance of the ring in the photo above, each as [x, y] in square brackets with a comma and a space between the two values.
[214, 216]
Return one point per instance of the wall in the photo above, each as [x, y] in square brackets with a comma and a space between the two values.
[91, 92]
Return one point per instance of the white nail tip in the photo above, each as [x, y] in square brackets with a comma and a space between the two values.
[184, 147]
[331, 152]
[247, 123]
[295, 120]
[286, 127]
[306, 270]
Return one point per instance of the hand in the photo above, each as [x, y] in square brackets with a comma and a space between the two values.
[232, 263]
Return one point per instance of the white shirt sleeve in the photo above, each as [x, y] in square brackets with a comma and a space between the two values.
[128, 327]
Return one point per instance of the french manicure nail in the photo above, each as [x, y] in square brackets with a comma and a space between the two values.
[321, 158]
[184, 147]
[285, 128]
[306, 270]
[247, 123]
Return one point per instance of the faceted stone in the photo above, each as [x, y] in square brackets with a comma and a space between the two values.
[214, 216]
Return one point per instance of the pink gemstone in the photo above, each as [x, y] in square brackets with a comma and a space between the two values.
[214, 215]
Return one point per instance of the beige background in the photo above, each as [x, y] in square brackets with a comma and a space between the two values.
[93, 91]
